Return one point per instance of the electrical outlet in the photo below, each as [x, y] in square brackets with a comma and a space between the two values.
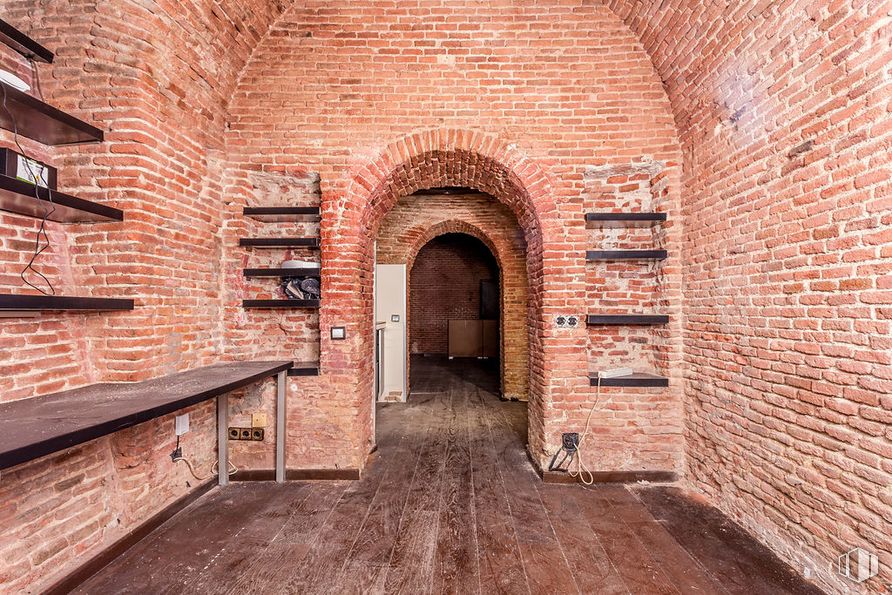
[570, 441]
[253, 434]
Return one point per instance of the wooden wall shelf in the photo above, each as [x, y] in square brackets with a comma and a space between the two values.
[279, 242]
[635, 380]
[17, 196]
[280, 214]
[24, 44]
[626, 319]
[625, 219]
[44, 123]
[31, 303]
[284, 303]
[283, 272]
[304, 369]
[594, 255]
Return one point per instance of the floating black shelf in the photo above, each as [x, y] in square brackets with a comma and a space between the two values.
[284, 303]
[626, 319]
[18, 196]
[23, 44]
[593, 255]
[42, 122]
[283, 272]
[31, 303]
[304, 369]
[279, 242]
[625, 219]
[637, 379]
[280, 214]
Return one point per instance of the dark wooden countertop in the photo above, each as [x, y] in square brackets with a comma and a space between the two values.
[36, 427]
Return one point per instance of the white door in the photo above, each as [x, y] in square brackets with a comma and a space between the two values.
[390, 310]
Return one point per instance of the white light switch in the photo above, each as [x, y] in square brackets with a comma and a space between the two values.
[182, 424]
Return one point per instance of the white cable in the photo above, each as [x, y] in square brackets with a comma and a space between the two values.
[232, 471]
[582, 471]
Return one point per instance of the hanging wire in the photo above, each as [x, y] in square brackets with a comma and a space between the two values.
[42, 240]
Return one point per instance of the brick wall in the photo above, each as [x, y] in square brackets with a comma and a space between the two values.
[416, 220]
[516, 101]
[444, 285]
[783, 113]
[154, 77]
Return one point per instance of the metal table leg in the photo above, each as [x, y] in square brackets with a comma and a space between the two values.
[223, 440]
[281, 388]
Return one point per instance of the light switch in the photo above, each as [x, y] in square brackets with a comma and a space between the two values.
[338, 333]
[394, 318]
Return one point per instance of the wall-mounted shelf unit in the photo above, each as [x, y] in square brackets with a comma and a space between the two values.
[283, 303]
[280, 214]
[35, 303]
[625, 219]
[18, 196]
[626, 319]
[279, 242]
[23, 44]
[42, 122]
[304, 369]
[596, 255]
[283, 272]
[635, 380]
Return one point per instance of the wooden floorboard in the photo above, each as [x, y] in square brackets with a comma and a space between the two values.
[449, 503]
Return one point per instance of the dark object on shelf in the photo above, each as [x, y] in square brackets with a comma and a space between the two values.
[44, 123]
[23, 168]
[301, 288]
[283, 272]
[280, 214]
[30, 303]
[638, 379]
[304, 369]
[269, 304]
[24, 44]
[17, 196]
[625, 219]
[279, 242]
[626, 319]
[32, 428]
[626, 255]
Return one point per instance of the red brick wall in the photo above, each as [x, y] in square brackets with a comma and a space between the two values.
[784, 116]
[516, 101]
[155, 78]
[444, 285]
[416, 220]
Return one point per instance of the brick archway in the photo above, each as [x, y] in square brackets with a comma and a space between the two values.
[513, 292]
[354, 207]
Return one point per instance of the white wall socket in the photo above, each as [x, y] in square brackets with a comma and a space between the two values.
[182, 424]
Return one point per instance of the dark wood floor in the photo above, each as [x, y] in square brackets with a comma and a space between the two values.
[449, 504]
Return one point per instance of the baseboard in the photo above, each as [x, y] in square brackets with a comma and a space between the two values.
[79, 575]
[297, 474]
[652, 476]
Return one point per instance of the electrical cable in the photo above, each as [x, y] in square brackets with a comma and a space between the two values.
[574, 451]
[177, 457]
[41, 231]
[582, 472]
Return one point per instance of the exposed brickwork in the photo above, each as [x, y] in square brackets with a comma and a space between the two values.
[155, 78]
[783, 113]
[554, 108]
[445, 285]
[416, 220]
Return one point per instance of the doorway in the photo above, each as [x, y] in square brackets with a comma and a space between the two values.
[454, 314]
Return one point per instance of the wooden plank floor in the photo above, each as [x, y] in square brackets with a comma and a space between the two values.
[449, 504]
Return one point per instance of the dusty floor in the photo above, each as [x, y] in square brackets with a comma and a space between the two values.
[449, 504]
